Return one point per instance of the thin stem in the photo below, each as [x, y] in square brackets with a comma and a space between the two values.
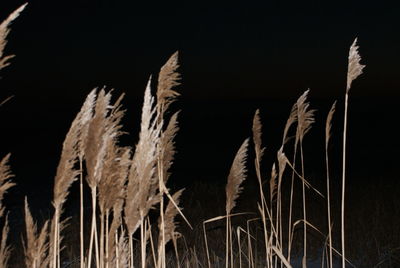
[96, 242]
[56, 219]
[152, 243]
[291, 204]
[329, 205]
[227, 242]
[82, 263]
[116, 249]
[58, 247]
[344, 177]
[93, 232]
[161, 189]
[102, 240]
[142, 243]
[240, 249]
[263, 202]
[107, 242]
[131, 250]
[304, 207]
[230, 241]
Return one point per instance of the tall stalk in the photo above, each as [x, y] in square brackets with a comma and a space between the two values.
[107, 240]
[82, 262]
[161, 189]
[101, 240]
[93, 233]
[143, 242]
[56, 230]
[259, 151]
[227, 242]
[290, 121]
[305, 120]
[131, 250]
[353, 71]
[344, 178]
[291, 204]
[304, 261]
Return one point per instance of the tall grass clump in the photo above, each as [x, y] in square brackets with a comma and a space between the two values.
[133, 212]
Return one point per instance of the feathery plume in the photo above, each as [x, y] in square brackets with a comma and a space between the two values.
[257, 132]
[167, 79]
[290, 121]
[273, 186]
[142, 184]
[66, 173]
[101, 150]
[282, 161]
[354, 66]
[123, 251]
[5, 183]
[103, 132]
[36, 245]
[167, 145]
[96, 137]
[328, 125]
[4, 31]
[305, 116]
[86, 117]
[5, 250]
[125, 164]
[236, 176]
[111, 184]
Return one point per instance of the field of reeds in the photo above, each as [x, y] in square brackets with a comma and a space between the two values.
[134, 213]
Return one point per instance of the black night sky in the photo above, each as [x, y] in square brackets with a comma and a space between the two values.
[234, 59]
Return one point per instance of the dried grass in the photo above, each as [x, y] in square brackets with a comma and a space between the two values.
[142, 184]
[126, 187]
[5, 250]
[354, 69]
[5, 183]
[36, 244]
[4, 31]
[328, 127]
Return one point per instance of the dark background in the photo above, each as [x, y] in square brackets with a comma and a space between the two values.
[234, 59]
